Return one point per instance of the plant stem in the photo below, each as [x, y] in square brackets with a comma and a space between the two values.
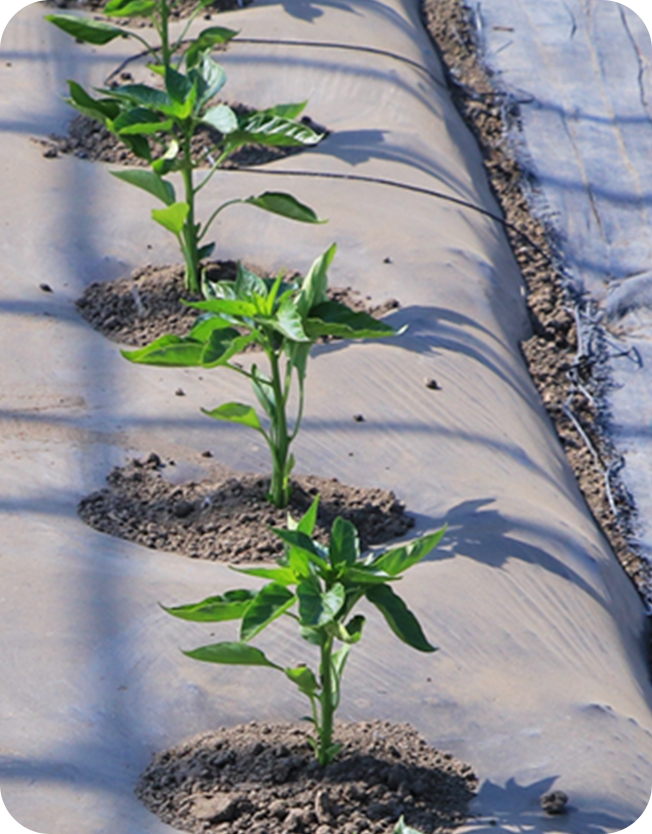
[165, 38]
[189, 229]
[326, 697]
[279, 493]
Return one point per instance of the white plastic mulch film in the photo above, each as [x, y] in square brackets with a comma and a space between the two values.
[541, 674]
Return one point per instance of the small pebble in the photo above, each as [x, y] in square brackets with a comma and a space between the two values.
[387, 260]
[432, 384]
[45, 287]
[51, 153]
[207, 454]
[359, 418]
[180, 392]
[554, 802]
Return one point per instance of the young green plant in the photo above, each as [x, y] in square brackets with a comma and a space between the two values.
[159, 125]
[318, 587]
[285, 320]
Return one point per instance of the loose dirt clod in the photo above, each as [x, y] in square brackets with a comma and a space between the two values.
[139, 308]
[264, 779]
[229, 519]
[550, 352]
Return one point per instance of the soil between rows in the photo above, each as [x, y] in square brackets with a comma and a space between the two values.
[229, 519]
[263, 779]
[571, 389]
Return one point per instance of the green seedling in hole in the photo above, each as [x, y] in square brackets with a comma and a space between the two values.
[285, 320]
[138, 114]
[318, 587]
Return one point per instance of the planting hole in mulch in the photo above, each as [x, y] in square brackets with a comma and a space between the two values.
[88, 139]
[139, 308]
[228, 519]
[263, 779]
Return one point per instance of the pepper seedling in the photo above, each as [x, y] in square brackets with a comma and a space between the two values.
[158, 125]
[318, 587]
[285, 320]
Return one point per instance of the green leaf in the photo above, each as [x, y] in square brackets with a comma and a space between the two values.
[213, 78]
[150, 182]
[298, 353]
[277, 202]
[206, 324]
[364, 575]
[245, 415]
[177, 84]
[288, 111]
[227, 306]
[138, 145]
[270, 602]
[173, 217]
[403, 828]
[310, 635]
[400, 559]
[399, 618]
[264, 392]
[338, 660]
[206, 39]
[330, 318]
[172, 351]
[221, 347]
[344, 546]
[303, 543]
[230, 606]
[84, 29]
[317, 608]
[140, 121]
[129, 8]
[167, 162]
[222, 118]
[205, 251]
[354, 628]
[313, 288]
[101, 110]
[264, 128]
[239, 654]
[307, 523]
[287, 321]
[304, 678]
[282, 576]
[144, 95]
[249, 286]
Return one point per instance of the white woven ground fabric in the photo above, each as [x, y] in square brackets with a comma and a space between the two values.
[541, 680]
[581, 72]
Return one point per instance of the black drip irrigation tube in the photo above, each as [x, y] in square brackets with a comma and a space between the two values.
[416, 189]
[369, 50]
[586, 351]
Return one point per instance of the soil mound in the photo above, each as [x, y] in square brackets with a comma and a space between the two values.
[229, 520]
[264, 779]
[139, 308]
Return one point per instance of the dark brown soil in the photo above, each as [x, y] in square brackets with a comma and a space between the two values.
[139, 308]
[263, 779]
[88, 139]
[229, 519]
[569, 385]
